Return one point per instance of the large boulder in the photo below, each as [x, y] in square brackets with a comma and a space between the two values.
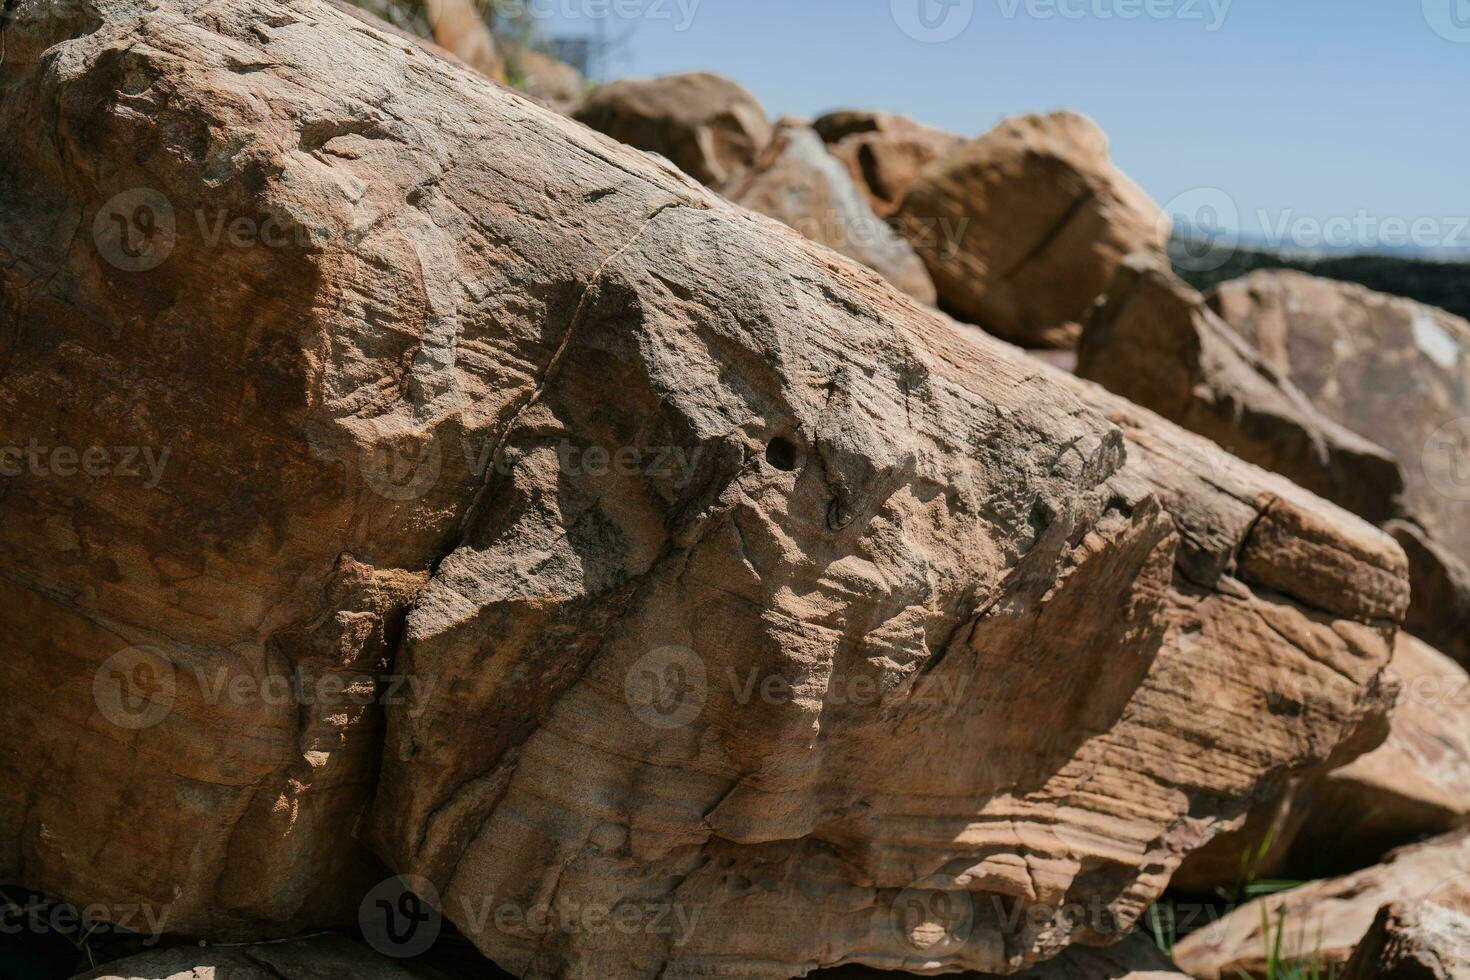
[1323, 922]
[710, 128]
[1416, 784]
[317, 958]
[761, 616]
[796, 181]
[1420, 941]
[884, 152]
[1153, 340]
[1396, 372]
[1023, 228]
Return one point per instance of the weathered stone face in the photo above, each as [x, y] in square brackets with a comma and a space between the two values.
[1414, 941]
[1153, 340]
[1395, 371]
[1415, 784]
[711, 128]
[1398, 373]
[885, 153]
[797, 182]
[751, 601]
[1025, 226]
[1339, 912]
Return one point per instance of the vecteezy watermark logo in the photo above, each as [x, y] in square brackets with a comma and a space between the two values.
[680, 13]
[666, 688]
[135, 231]
[400, 916]
[1205, 224]
[134, 688]
[1210, 13]
[1446, 459]
[125, 462]
[1450, 19]
[931, 922]
[933, 21]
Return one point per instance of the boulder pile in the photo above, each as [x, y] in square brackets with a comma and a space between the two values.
[429, 518]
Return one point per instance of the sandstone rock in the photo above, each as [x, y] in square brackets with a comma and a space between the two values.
[868, 640]
[1153, 340]
[1135, 958]
[797, 182]
[1414, 785]
[884, 152]
[1326, 920]
[1395, 371]
[1440, 588]
[459, 27]
[543, 77]
[710, 128]
[1024, 227]
[318, 958]
[1425, 941]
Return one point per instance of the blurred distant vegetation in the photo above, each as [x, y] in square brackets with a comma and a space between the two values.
[1439, 283]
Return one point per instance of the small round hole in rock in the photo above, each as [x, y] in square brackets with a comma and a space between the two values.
[782, 454]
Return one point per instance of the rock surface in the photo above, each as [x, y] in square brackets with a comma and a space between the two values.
[797, 182]
[319, 958]
[757, 609]
[884, 152]
[710, 128]
[1153, 340]
[1395, 371]
[1133, 959]
[1023, 228]
[1327, 920]
[1414, 785]
[1440, 588]
[1426, 941]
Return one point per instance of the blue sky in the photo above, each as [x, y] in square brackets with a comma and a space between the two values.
[1295, 108]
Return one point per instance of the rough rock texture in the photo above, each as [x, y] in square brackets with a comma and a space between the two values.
[1135, 958]
[1393, 370]
[1415, 785]
[869, 640]
[318, 958]
[1440, 607]
[710, 128]
[883, 152]
[1024, 227]
[1398, 373]
[1153, 340]
[1424, 941]
[796, 181]
[1328, 919]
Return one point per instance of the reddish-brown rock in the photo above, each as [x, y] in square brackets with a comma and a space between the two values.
[1396, 372]
[1415, 784]
[799, 184]
[759, 613]
[1023, 228]
[884, 152]
[1420, 941]
[1325, 921]
[708, 126]
[1153, 340]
